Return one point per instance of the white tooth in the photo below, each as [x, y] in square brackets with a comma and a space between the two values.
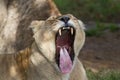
[60, 33]
[68, 27]
[71, 31]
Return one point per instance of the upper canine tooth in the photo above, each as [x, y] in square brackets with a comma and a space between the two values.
[60, 33]
[71, 31]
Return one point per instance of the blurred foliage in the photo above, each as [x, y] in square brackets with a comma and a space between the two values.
[104, 75]
[96, 10]
[101, 28]
[113, 27]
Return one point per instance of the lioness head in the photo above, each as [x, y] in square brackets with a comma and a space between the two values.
[59, 39]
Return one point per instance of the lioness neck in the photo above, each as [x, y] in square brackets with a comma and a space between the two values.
[41, 68]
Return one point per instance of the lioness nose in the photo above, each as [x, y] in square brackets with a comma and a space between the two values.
[65, 19]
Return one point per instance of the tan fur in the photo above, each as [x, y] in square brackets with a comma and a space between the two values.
[38, 61]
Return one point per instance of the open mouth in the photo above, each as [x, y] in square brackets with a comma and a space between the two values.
[65, 48]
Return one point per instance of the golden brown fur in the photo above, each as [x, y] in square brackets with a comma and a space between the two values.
[38, 61]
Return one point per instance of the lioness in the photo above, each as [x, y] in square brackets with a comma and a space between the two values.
[52, 56]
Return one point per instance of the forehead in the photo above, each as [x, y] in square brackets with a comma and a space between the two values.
[54, 19]
[67, 15]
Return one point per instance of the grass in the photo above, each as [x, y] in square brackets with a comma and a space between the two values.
[113, 27]
[97, 10]
[101, 28]
[104, 75]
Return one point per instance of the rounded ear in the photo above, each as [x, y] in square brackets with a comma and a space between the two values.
[81, 24]
[35, 25]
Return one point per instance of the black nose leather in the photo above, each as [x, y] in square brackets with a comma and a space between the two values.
[65, 19]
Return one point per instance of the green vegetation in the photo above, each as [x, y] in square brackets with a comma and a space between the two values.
[96, 10]
[113, 27]
[101, 28]
[104, 75]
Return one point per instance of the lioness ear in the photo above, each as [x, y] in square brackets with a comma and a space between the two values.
[81, 24]
[35, 25]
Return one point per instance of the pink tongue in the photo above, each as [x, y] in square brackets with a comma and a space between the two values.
[65, 61]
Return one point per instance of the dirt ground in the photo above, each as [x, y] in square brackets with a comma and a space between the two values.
[102, 52]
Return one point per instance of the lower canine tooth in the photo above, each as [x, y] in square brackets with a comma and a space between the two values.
[60, 32]
[71, 31]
